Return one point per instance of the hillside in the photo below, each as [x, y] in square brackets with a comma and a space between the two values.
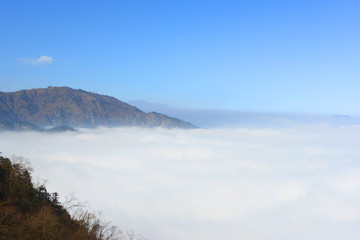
[54, 106]
[28, 212]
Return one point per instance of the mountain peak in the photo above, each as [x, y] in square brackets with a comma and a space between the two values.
[55, 106]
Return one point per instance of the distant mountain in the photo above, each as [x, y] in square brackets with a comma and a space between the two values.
[54, 106]
[210, 118]
[19, 126]
[151, 107]
[206, 118]
[26, 126]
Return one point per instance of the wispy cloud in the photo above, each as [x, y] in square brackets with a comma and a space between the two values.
[298, 183]
[43, 60]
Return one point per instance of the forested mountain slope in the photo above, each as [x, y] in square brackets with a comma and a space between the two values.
[54, 106]
[29, 212]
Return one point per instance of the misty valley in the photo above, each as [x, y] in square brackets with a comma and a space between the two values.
[257, 183]
[180, 120]
[154, 176]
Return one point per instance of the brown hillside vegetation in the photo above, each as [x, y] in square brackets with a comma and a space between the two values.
[29, 212]
[54, 106]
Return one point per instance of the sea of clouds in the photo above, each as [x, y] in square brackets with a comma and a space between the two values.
[228, 183]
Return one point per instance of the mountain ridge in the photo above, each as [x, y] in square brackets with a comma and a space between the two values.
[54, 106]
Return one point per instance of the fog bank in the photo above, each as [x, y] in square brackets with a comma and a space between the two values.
[230, 183]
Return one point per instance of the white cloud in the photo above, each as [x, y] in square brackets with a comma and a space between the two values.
[37, 61]
[44, 60]
[300, 183]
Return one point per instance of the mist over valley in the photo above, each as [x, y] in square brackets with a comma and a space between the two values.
[257, 183]
[180, 120]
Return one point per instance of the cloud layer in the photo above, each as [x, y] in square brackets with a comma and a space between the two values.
[298, 183]
[37, 61]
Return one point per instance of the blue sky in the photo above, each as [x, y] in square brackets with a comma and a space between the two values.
[267, 56]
